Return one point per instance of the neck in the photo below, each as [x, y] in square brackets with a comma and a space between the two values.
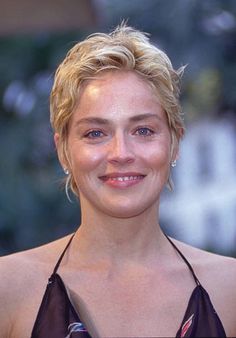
[103, 237]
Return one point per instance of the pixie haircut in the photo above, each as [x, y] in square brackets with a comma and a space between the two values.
[126, 49]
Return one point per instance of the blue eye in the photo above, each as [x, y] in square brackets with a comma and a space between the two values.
[94, 134]
[144, 131]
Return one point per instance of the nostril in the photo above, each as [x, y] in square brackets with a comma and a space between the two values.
[120, 151]
[120, 159]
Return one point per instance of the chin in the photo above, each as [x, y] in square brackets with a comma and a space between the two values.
[122, 206]
[126, 209]
[124, 213]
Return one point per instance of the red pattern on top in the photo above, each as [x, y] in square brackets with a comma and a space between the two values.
[186, 326]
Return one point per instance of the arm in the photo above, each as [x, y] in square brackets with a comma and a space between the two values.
[6, 298]
[229, 287]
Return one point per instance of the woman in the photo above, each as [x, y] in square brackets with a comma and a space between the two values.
[117, 122]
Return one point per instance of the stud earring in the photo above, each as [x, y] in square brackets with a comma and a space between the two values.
[66, 171]
[173, 163]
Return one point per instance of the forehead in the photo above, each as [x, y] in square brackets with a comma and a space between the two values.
[116, 94]
[117, 98]
[117, 80]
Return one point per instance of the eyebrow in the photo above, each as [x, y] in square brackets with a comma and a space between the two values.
[101, 121]
[96, 120]
[146, 116]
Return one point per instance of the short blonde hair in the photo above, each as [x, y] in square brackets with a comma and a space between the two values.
[125, 48]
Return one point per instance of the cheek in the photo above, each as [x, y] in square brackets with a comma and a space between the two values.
[157, 155]
[85, 159]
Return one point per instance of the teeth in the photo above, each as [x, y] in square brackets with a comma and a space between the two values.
[125, 178]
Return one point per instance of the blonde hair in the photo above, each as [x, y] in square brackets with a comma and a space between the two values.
[125, 48]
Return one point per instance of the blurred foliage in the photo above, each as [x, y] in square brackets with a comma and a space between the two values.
[199, 34]
[33, 205]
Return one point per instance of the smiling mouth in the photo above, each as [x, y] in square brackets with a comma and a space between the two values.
[123, 178]
[118, 180]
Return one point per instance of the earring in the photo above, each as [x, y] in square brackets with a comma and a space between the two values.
[66, 171]
[173, 163]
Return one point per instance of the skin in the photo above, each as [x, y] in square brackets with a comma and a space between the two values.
[123, 275]
[119, 133]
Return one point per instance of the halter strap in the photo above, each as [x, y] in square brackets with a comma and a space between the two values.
[174, 246]
[62, 255]
[185, 260]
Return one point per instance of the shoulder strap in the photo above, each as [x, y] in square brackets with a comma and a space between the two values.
[185, 260]
[62, 255]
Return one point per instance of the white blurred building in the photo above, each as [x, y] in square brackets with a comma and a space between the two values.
[202, 208]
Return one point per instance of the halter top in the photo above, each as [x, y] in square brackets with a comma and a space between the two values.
[58, 318]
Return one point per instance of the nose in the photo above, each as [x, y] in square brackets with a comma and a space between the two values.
[121, 150]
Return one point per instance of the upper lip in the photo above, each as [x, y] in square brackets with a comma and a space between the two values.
[117, 174]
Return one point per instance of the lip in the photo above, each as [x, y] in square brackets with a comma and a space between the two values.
[122, 180]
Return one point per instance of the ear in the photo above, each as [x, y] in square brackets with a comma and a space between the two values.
[174, 148]
[175, 154]
[60, 151]
[56, 140]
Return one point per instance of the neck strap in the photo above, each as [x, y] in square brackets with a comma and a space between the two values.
[62, 255]
[174, 246]
[185, 260]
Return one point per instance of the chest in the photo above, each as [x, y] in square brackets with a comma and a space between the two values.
[134, 308]
[124, 307]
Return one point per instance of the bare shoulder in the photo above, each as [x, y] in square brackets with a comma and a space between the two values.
[23, 279]
[217, 274]
[21, 268]
[210, 266]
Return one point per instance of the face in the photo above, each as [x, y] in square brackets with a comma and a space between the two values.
[119, 145]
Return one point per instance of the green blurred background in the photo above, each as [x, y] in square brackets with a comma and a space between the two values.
[199, 33]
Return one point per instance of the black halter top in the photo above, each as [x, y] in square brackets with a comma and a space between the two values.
[57, 317]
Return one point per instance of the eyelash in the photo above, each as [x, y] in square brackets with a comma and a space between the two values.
[92, 133]
[150, 131]
[89, 134]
